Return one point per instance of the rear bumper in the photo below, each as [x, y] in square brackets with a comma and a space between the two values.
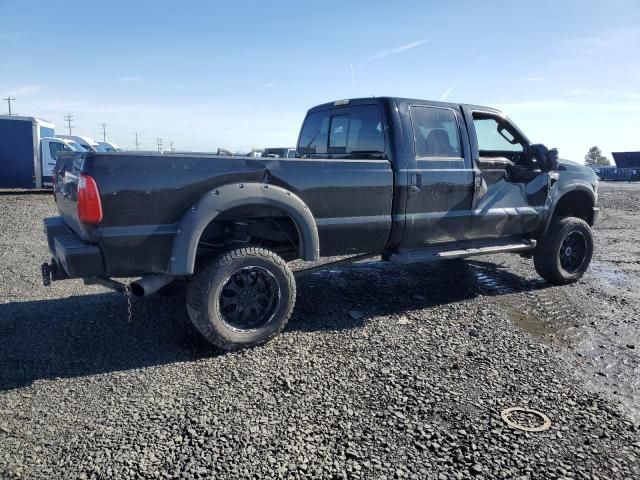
[70, 253]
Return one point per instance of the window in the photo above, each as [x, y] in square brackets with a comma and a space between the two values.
[495, 136]
[291, 154]
[435, 132]
[343, 131]
[339, 131]
[313, 138]
[358, 130]
[54, 148]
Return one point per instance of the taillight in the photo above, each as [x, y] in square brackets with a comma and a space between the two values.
[89, 204]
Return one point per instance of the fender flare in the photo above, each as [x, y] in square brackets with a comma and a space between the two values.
[221, 199]
[560, 194]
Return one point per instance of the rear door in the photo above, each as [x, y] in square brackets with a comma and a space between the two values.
[510, 191]
[438, 207]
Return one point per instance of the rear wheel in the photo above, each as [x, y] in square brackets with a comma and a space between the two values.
[564, 254]
[243, 298]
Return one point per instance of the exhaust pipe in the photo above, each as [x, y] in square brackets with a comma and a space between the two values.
[150, 284]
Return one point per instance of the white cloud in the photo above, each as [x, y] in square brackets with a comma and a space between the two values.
[534, 79]
[192, 125]
[610, 39]
[448, 91]
[572, 105]
[610, 95]
[21, 90]
[129, 79]
[393, 51]
[270, 85]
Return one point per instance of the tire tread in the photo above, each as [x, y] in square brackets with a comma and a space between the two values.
[197, 294]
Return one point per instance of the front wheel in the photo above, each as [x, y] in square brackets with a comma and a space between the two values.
[564, 254]
[244, 297]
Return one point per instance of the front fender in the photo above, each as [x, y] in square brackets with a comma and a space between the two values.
[221, 199]
[561, 189]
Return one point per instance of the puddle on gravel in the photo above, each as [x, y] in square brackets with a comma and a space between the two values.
[610, 275]
[533, 324]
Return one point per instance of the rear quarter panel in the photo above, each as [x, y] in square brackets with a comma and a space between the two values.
[145, 196]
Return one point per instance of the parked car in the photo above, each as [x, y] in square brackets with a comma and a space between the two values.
[88, 143]
[28, 152]
[107, 147]
[279, 152]
[407, 180]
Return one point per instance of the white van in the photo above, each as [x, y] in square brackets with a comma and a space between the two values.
[87, 143]
[49, 149]
[108, 147]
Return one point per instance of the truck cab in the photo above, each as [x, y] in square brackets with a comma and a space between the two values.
[50, 147]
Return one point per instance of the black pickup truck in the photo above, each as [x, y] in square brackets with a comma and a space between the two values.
[409, 180]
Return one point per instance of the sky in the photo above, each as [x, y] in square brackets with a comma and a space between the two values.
[242, 74]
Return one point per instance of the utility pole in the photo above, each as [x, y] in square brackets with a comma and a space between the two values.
[137, 142]
[159, 141]
[68, 118]
[171, 146]
[104, 132]
[8, 99]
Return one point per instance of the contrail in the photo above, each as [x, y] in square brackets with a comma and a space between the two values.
[450, 89]
[393, 51]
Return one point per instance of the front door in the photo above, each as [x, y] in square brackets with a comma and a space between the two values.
[438, 208]
[510, 191]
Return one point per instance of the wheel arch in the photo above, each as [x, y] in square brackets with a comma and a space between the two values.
[575, 201]
[227, 197]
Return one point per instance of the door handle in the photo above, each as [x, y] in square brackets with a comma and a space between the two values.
[415, 182]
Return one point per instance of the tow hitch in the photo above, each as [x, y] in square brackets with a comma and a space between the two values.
[51, 272]
[46, 274]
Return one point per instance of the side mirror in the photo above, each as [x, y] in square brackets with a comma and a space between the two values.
[546, 160]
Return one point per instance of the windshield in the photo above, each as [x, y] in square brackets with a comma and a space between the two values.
[76, 146]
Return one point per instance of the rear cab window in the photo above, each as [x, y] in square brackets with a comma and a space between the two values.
[352, 131]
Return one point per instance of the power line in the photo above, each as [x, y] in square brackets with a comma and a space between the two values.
[8, 99]
[68, 118]
[104, 132]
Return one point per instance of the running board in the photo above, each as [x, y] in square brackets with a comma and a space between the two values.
[444, 253]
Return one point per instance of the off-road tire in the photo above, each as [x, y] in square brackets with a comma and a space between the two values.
[203, 297]
[546, 258]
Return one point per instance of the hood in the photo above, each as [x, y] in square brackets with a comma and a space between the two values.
[565, 165]
[575, 169]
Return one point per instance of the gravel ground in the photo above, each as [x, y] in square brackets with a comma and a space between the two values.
[383, 372]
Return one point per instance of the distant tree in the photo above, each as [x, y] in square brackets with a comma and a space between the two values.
[594, 157]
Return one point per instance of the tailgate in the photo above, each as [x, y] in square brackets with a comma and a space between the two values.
[65, 188]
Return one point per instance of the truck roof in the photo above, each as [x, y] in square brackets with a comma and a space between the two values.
[399, 100]
[39, 121]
